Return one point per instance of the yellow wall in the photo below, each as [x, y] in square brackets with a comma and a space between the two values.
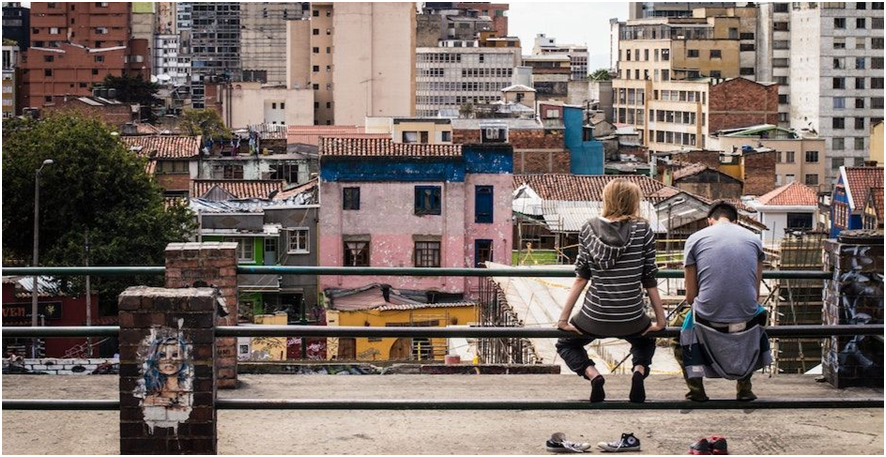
[275, 347]
[877, 143]
[369, 349]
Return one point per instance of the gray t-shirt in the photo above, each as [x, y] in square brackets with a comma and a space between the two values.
[726, 257]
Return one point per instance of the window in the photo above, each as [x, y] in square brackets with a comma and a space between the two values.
[692, 53]
[427, 254]
[877, 43]
[877, 63]
[859, 83]
[245, 249]
[446, 136]
[877, 6]
[839, 43]
[665, 55]
[745, 71]
[859, 144]
[482, 252]
[811, 156]
[859, 123]
[746, 47]
[356, 253]
[410, 137]
[94, 71]
[799, 220]
[316, 32]
[838, 123]
[876, 83]
[859, 63]
[839, 22]
[789, 157]
[783, 99]
[838, 144]
[99, 58]
[839, 83]
[316, 13]
[859, 103]
[716, 54]
[483, 204]
[315, 50]
[351, 198]
[789, 178]
[861, 23]
[811, 179]
[101, 31]
[232, 171]
[47, 58]
[427, 200]
[877, 23]
[47, 73]
[839, 63]
[298, 241]
[877, 102]
[839, 102]
[316, 68]
[836, 163]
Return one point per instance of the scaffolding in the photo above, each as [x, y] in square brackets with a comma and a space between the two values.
[496, 312]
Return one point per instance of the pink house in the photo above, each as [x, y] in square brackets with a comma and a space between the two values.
[387, 204]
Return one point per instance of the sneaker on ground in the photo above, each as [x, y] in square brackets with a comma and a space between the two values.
[718, 445]
[700, 447]
[559, 444]
[627, 443]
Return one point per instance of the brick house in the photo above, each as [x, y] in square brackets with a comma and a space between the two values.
[740, 102]
[172, 160]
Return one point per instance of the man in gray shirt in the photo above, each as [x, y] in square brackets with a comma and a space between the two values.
[724, 268]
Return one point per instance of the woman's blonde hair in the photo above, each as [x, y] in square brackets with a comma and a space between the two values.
[621, 200]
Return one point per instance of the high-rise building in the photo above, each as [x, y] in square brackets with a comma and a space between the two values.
[263, 30]
[450, 77]
[443, 21]
[498, 12]
[836, 75]
[214, 46]
[359, 59]
[578, 54]
[644, 10]
[16, 24]
[74, 46]
[10, 63]
[171, 66]
[774, 53]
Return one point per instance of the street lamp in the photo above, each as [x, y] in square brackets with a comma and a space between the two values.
[34, 286]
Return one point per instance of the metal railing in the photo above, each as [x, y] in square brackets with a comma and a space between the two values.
[472, 332]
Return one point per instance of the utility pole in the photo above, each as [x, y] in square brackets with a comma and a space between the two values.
[88, 300]
[303, 321]
[35, 288]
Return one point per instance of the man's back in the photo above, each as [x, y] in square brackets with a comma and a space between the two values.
[726, 256]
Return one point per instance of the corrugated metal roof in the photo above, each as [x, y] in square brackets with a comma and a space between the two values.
[570, 217]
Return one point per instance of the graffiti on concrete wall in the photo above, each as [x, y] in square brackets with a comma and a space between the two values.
[166, 378]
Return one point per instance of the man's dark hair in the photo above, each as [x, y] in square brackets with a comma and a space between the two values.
[723, 209]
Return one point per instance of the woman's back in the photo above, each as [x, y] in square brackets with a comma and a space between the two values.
[618, 257]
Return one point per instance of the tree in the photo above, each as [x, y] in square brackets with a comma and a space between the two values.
[601, 74]
[204, 122]
[95, 185]
[135, 90]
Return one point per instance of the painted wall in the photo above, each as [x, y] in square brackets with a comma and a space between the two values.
[586, 157]
[877, 144]
[380, 349]
[252, 104]
[274, 347]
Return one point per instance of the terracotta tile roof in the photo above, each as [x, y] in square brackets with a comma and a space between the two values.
[164, 146]
[239, 188]
[878, 200]
[568, 187]
[310, 134]
[689, 170]
[791, 194]
[859, 180]
[383, 147]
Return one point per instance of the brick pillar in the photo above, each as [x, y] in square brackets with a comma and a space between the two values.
[167, 380]
[210, 264]
[854, 296]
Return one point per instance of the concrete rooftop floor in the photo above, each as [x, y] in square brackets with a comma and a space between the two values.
[848, 431]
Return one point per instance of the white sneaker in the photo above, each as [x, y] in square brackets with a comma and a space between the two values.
[627, 443]
[559, 444]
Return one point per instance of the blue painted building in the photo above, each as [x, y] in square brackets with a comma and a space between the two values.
[850, 195]
[586, 153]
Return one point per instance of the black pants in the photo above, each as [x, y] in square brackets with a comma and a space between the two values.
[573, 352]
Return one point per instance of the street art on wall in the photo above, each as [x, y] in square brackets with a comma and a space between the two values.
[166, 378]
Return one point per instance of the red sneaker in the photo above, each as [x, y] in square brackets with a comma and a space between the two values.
[700, 447]
[717, 445]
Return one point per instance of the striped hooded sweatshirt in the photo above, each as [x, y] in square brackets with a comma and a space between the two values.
[618, 258]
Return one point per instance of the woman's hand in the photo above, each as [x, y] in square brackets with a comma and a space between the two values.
[564, 325]
[656, 326]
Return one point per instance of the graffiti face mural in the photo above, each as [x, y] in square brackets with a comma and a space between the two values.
[167, 375]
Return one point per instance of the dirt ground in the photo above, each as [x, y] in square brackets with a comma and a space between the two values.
[849, 431]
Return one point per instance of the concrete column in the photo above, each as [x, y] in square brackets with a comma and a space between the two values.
[210, 264]
[854, 296]
[167, 376]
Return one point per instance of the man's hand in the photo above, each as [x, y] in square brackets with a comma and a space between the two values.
[564, 325]
[656, 326]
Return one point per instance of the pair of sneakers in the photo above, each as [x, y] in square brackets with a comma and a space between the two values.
[714, 445]
[559, 444]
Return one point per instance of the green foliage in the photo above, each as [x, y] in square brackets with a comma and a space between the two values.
[601, 74]
[135, 90]
[204, 122]
[95, 185]
[9, 42]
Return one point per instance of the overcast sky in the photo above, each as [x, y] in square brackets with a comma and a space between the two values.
[569, 23]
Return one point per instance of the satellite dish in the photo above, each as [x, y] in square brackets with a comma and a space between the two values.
[154, 79]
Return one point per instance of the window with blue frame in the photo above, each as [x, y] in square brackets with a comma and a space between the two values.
[483, 204]
[427, 200]
[482, 252]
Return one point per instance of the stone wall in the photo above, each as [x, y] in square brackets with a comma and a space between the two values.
[65, 366]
